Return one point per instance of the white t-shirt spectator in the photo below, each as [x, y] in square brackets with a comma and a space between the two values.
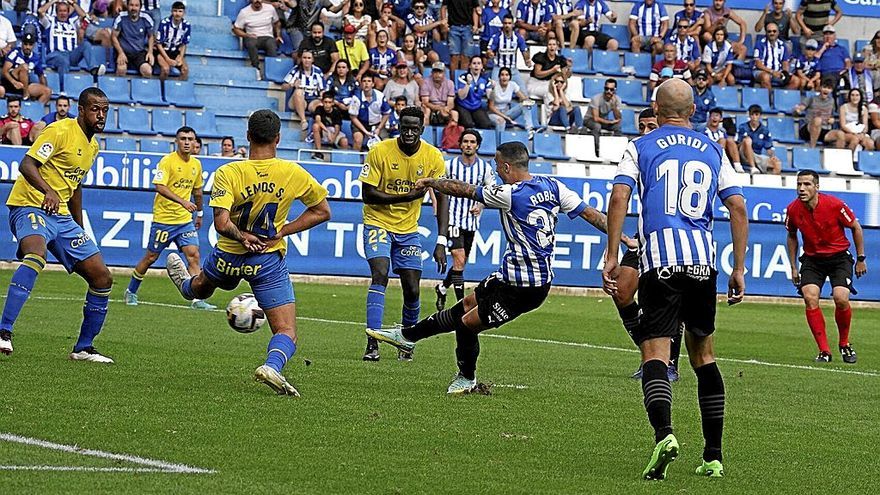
[7, 34]
[257, 22]
[503, 96]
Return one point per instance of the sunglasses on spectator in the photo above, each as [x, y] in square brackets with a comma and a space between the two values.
[610, 89]
[689, 4]
[559, 81]
[419, 7]
[772, 32]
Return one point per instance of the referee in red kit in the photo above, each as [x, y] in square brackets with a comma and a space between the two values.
[821, 219]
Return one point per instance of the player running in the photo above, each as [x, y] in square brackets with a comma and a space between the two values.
[45, 213]
[821, 219]
[679, 173]
[528, 206]
[251, 200]
[464, 213]
[392, 206]
[178, 179]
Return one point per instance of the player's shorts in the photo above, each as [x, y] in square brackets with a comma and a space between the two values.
[630, 259]
[405, 250]
[266, 273]
[601, 38]
[499, 302]
[460, 239]
[673, 295]
[838, 268]
[65, 239]
[162, 234]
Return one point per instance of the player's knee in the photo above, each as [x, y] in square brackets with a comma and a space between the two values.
[151, 257]
[102, 280]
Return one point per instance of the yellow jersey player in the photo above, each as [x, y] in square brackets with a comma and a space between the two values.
[392, 206]
[178, 179]
[251, 200]
[45, 214]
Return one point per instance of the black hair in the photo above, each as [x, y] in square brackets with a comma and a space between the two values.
[89, 93]
[613, 81]
[473, 132]
[366, 75]
[755, 109]
[224, 138]
[317, 23]
[647, 113]
[505, 69]
[329, 94]
[716, 110]
[263, 127]
[811, 173]
[413, 112]
[178, 5]
[827, 82]
[12, 97]
[506, 17]
[515, 153]
[399, 98]
[62, 97]
[198, 140]
[185, 129]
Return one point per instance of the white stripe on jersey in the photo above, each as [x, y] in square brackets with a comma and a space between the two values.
[62, 35]
[699, 242]
[686, 256]
[478, 173]
[669, 241]
[655, 249]
[711, 242]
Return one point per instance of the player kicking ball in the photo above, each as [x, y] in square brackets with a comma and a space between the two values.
[45, 214]
[528, 206]
[178, 178]
[251, 200]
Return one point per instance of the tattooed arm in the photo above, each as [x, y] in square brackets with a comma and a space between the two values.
[598, 219]
[450, 187]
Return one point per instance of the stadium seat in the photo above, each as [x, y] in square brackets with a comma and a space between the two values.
[839, 161]
[205, 123]
[116, 89]
[428, 135]
[580, 63]
[581, 148]
[120, 144]
[490, 142]
[756, 96]
[442, 50]
[783, 130]
[782, 154]
[784, 100]
[607, 63]
[147, 91]
[611, 148]
[574, 90]
[569, 169]
[166, 122]
[135, 121]
[630, 92]
[543, 168]
[3, 106]
[517, 135]
[592, 86]
[549, 145]
[844, 42]
[869, 162]
[620, 32]
[861, 44]
[807, 159]
[869, 186]
[74, 84]
[727, 98]
[740, 119]
[641, 62]
[767, 180]
[628, 122]
[53, 80]
[277, 68]
[111, 127]
[155, 146]
[181, 94]
[33, 110]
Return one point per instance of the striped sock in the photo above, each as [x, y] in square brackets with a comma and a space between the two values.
[710, 390]
[281, 348]
[94, 314]
[411, 311]
[658, 397]
[135, 283]
[448, 320]
[375, 305]
[20, 288]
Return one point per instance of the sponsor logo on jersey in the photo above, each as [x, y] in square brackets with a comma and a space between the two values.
[45, 151]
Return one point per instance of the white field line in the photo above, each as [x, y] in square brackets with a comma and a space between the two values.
[524, 339]
[85, 469]
[156, 465]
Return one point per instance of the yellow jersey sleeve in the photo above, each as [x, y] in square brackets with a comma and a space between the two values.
[50, 142]
[311, 192]
[436, 164]
[199, 180]
[222, 196]
[163, 172]
[371, 172]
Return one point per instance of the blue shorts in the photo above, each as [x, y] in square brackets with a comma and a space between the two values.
[405, 250]
[460, 38]
[162, 234]
[65, 239]
[267, 275]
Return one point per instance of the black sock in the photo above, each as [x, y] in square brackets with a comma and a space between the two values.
[675, 349]
[448, 280]
[630, 317]
[710, 391]
[457, 278]
[445, 321]
[466, 351]
[658, 397]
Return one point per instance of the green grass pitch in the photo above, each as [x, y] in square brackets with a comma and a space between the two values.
[560, 419]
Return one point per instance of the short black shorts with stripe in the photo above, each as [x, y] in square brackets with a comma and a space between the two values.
[630, 259]
[499, 303]
[670, 296]
[838, 268]
[460, 239]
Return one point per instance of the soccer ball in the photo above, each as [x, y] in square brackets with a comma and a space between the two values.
[244, 314]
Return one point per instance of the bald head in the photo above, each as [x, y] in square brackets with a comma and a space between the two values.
[675, 101]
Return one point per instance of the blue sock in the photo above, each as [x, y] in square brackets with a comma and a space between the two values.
[94, 313]
[411, 312]
[135, 283]
[20, 287]
[375, 305]
[186, 290]
[281, 349]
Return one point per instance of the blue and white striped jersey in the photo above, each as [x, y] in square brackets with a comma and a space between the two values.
[533, 14]
[648, 19]
[528, 216]
[173, 37]
[478, 173]
[150, 4]
[687, 49]
[679, 173]
[62, 35]
[716, 134]
[423, 39]
[505, 49]
[312, 82]
[382, 61]
[593, 12]
[560, 7]
[771, 54]
[718, 57]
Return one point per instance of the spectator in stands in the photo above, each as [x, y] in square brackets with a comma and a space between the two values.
[354, 51]
[413, 56]
[260, 28]
[387, 22]
[648, 26]
[368, 111]
[601, 107]
[534, 20]
[358, 18]
[812, 15]
[716, 132]
[854, 121]
[492, 22]
[292, 20]
[463, 20]
[470, 89]
[323, 48]
[858, 76]
[63, 33]
[327, 128]
[94, 33]
[382, 60]
[133, 40]
[503, 110]
[819, 112]
[704, 100]
[547, 64]
[585, 31]
[562, 18]
[719, 14]
[307, 82]
[392, 127]
[197, 146]
[693, 17]
[503, 50]
[438, 97]
[172, 38]
[62, 111]
[687, 48]
[777, 13]
[718, 59]
[772, 60]
[152, 10]
[23, 72]
[871, 52]
[342, 84]
[680, 70]
[833, 57]
[7, 36]
[874, 120]
[333, 13]
[425, 29]
[807, 72]
[756, 144]
[402, 84]
[562, 112]
[14, 127]
[227, 149]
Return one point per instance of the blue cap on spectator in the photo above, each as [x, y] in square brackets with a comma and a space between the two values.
[858, 57]
[666, 72]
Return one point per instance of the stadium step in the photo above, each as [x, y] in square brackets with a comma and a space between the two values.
[209, 24]
[202, 8]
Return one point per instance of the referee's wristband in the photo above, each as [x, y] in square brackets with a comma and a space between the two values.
[860, 258]
[441, 239]
[200, 214]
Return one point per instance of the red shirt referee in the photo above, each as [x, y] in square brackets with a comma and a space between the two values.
[821, 219]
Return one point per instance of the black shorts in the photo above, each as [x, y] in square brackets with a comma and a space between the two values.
[438, 118]
[172, 54]
[10, 89]
[135, 60]
[630, 259]
[804, 134]
[838, 268]
[602, 39]
[674, 295]
[499, 303]
[460, 239]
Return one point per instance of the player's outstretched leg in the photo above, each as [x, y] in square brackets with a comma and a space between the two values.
[191, 251]
[198, 287]
[710, 392]
[95, 272]
[19, 291]
[282, 346]
[467, 350]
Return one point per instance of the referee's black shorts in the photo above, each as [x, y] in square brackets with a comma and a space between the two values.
[499, 302]
[838, 268]
[460, 238]
[673, 295]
